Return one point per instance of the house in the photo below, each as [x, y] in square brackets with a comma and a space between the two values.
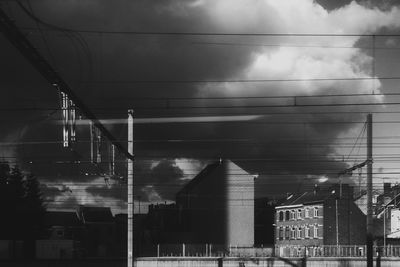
[387, 215]
[63, 234]
[361, 201]
[121, 230]
[217, 206]
[264, 216]
[320, 217]
[63, 225]
[99, 235]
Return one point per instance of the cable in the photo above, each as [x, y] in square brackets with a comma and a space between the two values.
[295, 105]
[289, 45]
[358, 137]
[245, 80]
[247, 34]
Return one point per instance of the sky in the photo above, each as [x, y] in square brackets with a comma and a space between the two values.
[251, 81]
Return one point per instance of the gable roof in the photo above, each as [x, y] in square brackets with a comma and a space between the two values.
[199, 177]
[96, 214]
[304, 198]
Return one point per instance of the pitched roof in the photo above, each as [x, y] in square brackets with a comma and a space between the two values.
[304, 198]
[96, 214]
[199, 177]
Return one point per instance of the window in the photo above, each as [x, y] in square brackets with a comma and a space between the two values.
[307, 213]
[299, 214]
[316, 211]
[287, 233]
[293, 215]
[60, 233]
[280, 216]
[307, 232]
[299, 232]
[315, 231]
[293, 233]
[281, 233]
[287, 215]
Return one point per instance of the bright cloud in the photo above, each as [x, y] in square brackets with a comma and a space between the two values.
[305, 16]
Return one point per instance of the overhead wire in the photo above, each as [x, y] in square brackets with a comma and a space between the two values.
[173, 33]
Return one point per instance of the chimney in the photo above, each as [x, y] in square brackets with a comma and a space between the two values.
[316, 189]
[386, 188]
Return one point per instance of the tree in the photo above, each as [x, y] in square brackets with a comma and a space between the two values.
[21, 204]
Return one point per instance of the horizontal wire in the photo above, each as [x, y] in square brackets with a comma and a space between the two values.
[247, 34]
[241, 80]
[169, 107]
[293, 45]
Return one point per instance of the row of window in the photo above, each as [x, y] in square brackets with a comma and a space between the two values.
[300, 232]
[299, 214]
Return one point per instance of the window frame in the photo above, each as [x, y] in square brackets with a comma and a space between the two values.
[281, 216]
[299, 214]
[306, 231]
[316, 231]
[316, 212]
[299, 232]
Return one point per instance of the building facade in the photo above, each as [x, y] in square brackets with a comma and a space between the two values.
[320, 218]
[300, 224]
[217, 206]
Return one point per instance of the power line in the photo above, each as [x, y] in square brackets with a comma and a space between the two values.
[322, 79]
[291, 45]
[241, 34]
[21, 43]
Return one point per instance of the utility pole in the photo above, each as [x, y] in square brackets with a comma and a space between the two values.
[130, 189]
[370, 260]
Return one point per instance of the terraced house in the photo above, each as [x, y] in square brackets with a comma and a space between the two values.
[318, 218]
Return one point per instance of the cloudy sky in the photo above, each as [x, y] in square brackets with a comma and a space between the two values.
[207, 79]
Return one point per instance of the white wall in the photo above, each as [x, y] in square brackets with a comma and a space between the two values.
[240, 206]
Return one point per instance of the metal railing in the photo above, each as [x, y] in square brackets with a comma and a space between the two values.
[211, 250]
[335, 251]
[286, 251]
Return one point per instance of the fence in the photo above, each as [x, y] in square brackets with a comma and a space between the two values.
[325, 251]
[211, 250]
[335, 251]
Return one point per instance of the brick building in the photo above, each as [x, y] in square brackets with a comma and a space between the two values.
[319, 218]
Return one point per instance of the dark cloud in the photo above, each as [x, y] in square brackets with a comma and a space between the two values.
[281, 153]
[50, 192]
[51, 196]
[155, 179]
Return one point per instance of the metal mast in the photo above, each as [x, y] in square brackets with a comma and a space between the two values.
[130, 189]
[369, 193]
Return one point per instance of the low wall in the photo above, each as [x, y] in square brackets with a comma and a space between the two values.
[257, 262]
[65, 263]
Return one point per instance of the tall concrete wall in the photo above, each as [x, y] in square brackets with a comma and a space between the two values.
[240, 206]
[218, 208]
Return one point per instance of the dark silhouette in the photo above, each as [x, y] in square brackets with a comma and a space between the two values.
[22, 209]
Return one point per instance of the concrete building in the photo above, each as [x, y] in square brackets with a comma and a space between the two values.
[320, 218]
[217, 206]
